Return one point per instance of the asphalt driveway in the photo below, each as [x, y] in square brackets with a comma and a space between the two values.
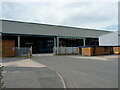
[25, 73]
[84, 72]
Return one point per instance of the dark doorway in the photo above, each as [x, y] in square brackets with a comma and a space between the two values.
[39, 44]
[92, 41]
[70, 42]
[10, 37]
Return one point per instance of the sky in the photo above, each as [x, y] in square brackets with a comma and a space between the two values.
[91, 14]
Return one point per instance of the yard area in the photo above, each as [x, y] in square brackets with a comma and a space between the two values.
[77, 71]
[84, 71]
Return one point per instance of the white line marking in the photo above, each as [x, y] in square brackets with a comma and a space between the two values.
[64, 85]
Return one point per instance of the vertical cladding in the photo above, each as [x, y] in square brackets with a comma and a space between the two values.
[118, 39]
[110, 39]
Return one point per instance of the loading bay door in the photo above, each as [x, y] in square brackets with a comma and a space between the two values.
[39, 44]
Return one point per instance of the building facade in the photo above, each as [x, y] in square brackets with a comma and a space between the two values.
[44, 37]
[110, 39]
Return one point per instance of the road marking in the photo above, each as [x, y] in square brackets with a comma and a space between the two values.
[64, 85]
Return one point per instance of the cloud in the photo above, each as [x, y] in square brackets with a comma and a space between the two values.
[61, 1]
[96, 15]
[112, 27]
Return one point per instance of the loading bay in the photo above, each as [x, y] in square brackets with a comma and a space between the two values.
[76, 71]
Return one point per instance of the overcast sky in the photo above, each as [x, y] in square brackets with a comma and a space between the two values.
[96, 15]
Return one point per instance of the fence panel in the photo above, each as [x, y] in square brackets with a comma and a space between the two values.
[23, 51]
[75, 50]
[61, 50]
[69, 50]
[65, 50]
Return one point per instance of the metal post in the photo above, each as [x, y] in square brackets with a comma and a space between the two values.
[55, 42]
[18, 41]
[84, 42]
[57, 45]
[31, 50]
[55, 48]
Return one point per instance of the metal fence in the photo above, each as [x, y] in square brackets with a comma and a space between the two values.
[23, 51]
[65, 50]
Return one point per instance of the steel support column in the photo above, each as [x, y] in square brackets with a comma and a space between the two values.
[84, 42]
[57, 45]
[57, 41]
[18, 41]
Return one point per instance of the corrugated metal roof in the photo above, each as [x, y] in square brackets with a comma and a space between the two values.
[44, 29]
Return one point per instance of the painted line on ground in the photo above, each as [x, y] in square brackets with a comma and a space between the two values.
[63, 82]
[64, 85]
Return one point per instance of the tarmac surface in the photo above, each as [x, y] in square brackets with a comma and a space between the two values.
[25, 73]
[65, 71]
[84, 72]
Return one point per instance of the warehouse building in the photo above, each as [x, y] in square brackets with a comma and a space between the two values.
[110, 39]
[43, 37]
